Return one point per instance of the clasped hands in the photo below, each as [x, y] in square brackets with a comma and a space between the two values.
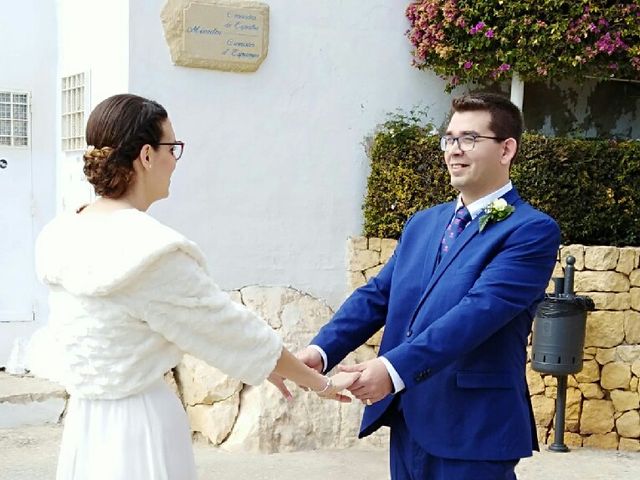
[368, 381]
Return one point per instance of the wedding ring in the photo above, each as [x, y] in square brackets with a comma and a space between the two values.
[368, 402]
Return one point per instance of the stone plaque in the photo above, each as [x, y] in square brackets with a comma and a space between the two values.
[218, 34]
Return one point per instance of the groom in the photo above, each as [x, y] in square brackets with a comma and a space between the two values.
[456, 302]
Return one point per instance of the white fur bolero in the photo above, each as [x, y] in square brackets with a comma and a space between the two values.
[128, 296]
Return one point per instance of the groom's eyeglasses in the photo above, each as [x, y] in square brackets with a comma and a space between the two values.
[177, 148]
[465, 142]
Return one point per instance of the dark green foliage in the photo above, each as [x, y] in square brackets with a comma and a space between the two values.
[591, 187]
[407, 174]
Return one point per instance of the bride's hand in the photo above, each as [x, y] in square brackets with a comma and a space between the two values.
[278, 382]
[339, 382]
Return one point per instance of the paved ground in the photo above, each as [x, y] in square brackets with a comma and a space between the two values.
[30, 453]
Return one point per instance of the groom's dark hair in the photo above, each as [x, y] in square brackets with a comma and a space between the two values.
[506, 118]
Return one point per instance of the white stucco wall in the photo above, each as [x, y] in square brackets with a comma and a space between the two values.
[274, 172]
[27, 56]
[93, 39]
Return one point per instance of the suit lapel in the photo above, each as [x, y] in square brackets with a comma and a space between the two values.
[512, 197]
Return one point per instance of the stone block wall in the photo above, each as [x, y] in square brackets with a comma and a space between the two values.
[239, 417]
[603, 400]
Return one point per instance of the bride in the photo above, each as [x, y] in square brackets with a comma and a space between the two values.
[128, 296]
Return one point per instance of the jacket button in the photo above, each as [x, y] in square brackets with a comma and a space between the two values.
[409, 333]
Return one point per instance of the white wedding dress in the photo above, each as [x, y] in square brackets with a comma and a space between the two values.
[143, 436]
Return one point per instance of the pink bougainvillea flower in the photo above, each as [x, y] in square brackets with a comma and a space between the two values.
[477, 27]
[586, 40]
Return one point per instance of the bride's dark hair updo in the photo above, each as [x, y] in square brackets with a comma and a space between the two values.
[117, 130]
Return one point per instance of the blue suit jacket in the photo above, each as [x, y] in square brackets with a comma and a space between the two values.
[456, 331]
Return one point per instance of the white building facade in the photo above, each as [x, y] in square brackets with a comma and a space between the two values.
[273, 176]
[28, 31]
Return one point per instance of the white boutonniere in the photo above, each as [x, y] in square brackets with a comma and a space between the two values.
[496, 211]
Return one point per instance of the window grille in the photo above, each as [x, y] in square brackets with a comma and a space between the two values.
[72, 103]
[15, 119]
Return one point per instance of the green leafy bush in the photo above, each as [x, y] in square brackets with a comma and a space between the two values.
[591, 187]
[483, 40]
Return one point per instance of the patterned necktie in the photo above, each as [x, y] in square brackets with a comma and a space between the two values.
[455, 228]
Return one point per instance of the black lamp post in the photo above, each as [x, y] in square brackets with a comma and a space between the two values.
[558, 341]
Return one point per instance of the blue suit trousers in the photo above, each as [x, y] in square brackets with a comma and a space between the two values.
[410, 462]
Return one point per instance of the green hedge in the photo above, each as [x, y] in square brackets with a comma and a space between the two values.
[591, 187]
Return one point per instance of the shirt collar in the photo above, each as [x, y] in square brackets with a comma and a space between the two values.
[479, 205]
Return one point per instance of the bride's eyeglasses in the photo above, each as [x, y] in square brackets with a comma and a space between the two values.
[177, 148]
